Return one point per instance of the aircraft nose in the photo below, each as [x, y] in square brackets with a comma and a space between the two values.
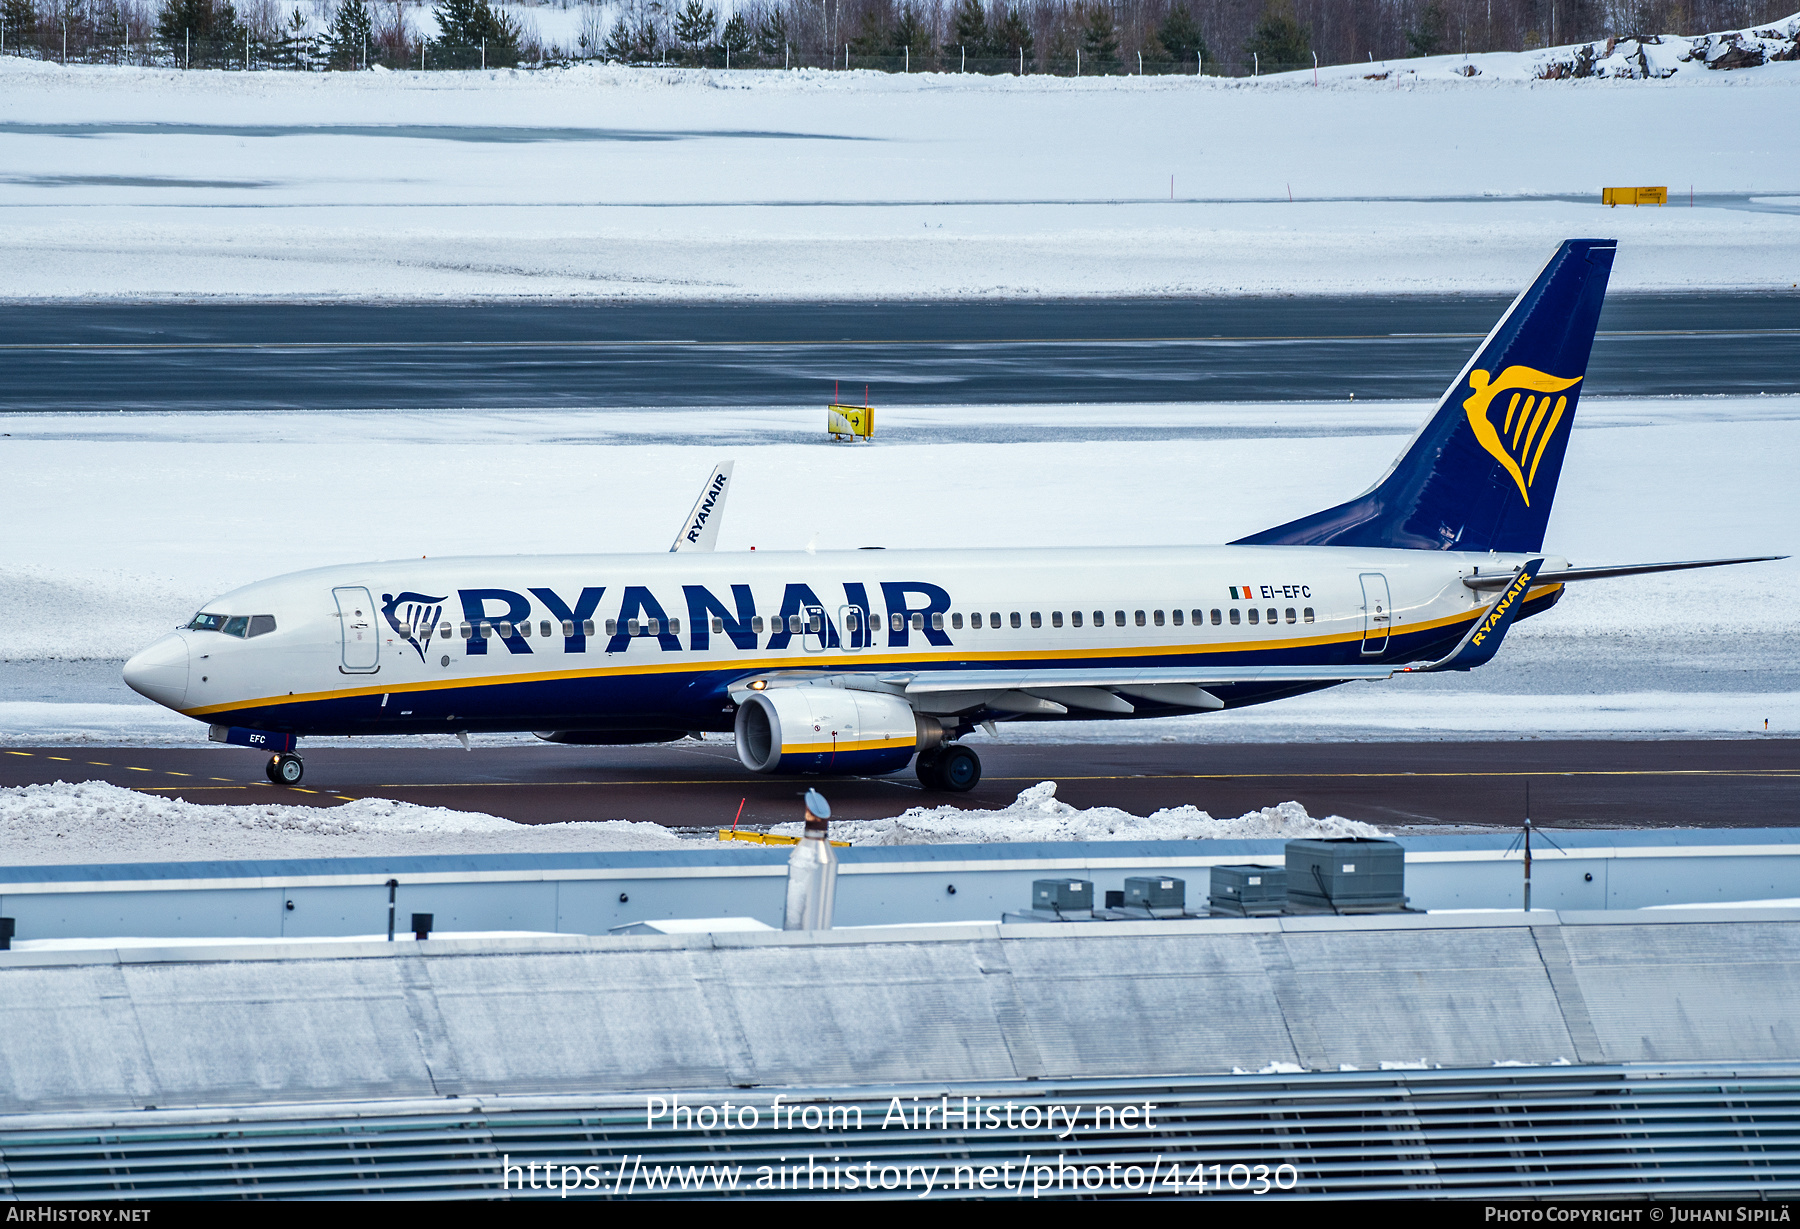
[160, 672]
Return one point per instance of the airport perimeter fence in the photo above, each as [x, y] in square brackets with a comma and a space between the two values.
[73, 45]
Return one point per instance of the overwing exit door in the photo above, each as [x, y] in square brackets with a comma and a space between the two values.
[1378, 612]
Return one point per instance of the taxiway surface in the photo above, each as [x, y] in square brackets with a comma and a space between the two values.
[201, 356]
[1719, 783]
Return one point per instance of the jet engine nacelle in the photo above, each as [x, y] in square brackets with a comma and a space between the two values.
[830, 730]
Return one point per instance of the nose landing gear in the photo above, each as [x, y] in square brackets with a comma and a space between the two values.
[285, 769]
[953, 767]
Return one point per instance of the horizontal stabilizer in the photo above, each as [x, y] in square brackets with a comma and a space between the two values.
[1501, 580]
[1483, 640]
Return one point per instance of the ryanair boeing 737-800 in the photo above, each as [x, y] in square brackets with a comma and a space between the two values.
[858, 661]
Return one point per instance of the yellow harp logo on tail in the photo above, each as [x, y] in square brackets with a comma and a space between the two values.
[1530, 417]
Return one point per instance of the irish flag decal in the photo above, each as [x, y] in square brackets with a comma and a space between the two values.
[1234, 592]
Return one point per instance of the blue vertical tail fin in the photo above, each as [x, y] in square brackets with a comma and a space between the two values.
[1481, 473]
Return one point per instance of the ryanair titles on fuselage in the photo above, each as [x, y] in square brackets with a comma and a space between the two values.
[501, 617]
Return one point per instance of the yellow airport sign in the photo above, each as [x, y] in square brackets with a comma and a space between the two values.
[1634, 196]
[850, 421]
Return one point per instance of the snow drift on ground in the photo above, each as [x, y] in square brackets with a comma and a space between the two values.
[1037, 815]
[612, 182]
[92, 821]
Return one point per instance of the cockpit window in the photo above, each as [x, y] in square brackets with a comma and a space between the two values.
[207, 623]
[237, 626]
[262, 625]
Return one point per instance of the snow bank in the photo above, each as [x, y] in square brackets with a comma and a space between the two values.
[93, 822]
[1037, 815]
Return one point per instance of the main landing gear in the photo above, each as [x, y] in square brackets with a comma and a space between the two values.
[285, 769]
[953, 767]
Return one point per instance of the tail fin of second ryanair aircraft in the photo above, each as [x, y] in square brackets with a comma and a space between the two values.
[1481, 474]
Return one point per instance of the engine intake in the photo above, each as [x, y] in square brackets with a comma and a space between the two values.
[830, 730]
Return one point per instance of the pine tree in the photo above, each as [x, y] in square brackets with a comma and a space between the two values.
[634, 40]
[21, 18]
[736, 37]
[1099, 40]
[296, 46]
[912, 37]
[351, 33]
[694, 27]
[1179, 36]
[1432, 32]
[874, 37]
[772, 35]
[470, 32]
[1012, 35]
[969, 29]
[1280, 43]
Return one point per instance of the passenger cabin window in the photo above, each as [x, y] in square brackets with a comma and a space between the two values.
[1274, 615]
[443, 629]
[1099, 618]
[262, 625]
[506, 631]
[1015, 619]
[994, 620]
[1140, 618]
[674, 626]
[612, 627]
[1290, 614]
[718, 625]
[1234, 616]
[1037, 618]
[937, 621]
[1075, 618]
[633, 627]
[975, 620]
[1118, 618]
[756, 624]
[1252, 616]
[1157, 618]
[525, 628]
[793, 623]
[1307, 614]
[587, 627]
[1176, 616]
[956, 620]
[918, 622]
[1056, 618]
[464, 631]
[206, 623]
[568, 628]
[544, 628]
[896, 622]
[1215, 617]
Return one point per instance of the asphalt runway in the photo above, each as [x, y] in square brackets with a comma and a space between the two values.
[1573, 784]
[201, 356]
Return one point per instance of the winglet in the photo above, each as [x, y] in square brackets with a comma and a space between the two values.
[701, 530]
[1483, 640]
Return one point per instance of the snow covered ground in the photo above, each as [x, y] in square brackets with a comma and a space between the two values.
[116, 532]
[93, 822]
[621, 183]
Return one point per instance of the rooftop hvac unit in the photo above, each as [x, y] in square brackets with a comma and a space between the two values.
[1158, 895]
[1248, 891]
[1351, 874]
[1057, 900]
